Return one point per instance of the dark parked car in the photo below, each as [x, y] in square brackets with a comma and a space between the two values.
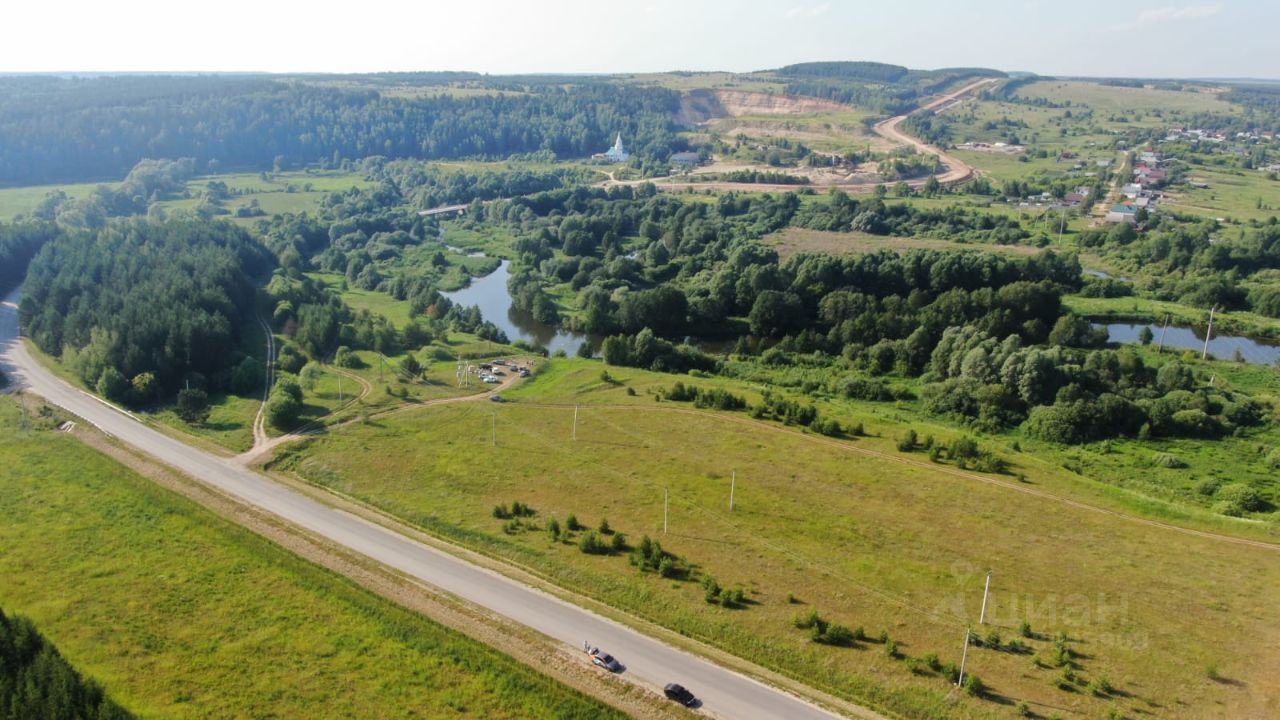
[680, 694]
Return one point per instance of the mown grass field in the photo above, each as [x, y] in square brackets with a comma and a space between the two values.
[863, 539]
[179, 614]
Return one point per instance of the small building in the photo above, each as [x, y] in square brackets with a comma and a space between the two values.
[1132, 190]
[1123, 213]
[1074, 199]
[686, 159]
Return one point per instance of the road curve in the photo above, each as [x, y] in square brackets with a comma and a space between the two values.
[957, 170]
[725, 693]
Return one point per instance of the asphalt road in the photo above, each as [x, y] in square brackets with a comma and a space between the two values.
[724, 693]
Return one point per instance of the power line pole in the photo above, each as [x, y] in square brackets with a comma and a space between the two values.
[575, 423]
[982, 619]
[963, 656]
[495, 428]
[1208, 334]
[339, 388]
[733, 485]
[1165, 329]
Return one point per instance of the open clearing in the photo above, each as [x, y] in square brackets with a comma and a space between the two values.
[180, 614]
[854, 537]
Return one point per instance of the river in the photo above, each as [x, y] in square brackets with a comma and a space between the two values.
[1222, 347]
[490, 294]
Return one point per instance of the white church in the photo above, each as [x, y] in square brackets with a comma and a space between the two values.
[614, 154]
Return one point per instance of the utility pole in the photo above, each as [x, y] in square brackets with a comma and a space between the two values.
[575, 423]
[982, 619]
[495, 428]
[1208, 334]
[339, 388]
[1165, 329]
[666, 508]
[733, 485]
[963, 656]
[1062, 226]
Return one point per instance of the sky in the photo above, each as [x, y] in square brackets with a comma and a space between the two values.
[1142, 38]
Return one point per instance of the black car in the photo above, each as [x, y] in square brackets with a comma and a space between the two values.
[680, 694]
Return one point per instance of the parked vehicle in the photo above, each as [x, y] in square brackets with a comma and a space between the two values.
[486, 366]
[600, 658]
[498, 399]
[499, 362]
[498, 372]
[491, 380]
[680, 694]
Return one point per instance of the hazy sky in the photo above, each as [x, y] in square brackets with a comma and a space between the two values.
[1149, 38]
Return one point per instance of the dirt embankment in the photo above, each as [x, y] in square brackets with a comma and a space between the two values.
[702, 106]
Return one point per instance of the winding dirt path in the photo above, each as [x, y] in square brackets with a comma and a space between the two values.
[259, 428]
[261, 448]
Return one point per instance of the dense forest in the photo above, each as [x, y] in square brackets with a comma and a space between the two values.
[75, 129]
[879, 87]
[37, 682]
[138, 309]
[19, 242]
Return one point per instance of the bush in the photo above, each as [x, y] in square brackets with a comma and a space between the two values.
[553, 529]
[112, 385]
[931, 661]
[908, 442]
[837, 635]
[1238, 498]
[284, 405]
[618, 543]
[974, 686]
[591, 544]
[193, 406]
[711, 590]
[572, 523]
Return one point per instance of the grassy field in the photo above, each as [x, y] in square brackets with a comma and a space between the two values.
[1238, 195]
[854, 537]
[1113, 99]
[275, 193]
[22, 200]
[179, 614]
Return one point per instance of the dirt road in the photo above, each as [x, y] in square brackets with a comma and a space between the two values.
[957, 171]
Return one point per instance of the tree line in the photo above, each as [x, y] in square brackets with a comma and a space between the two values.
[76, 129]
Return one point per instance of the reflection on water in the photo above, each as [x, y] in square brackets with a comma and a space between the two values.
[1223, 347]
[490, 294]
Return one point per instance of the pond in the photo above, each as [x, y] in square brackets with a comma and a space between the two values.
[490, 294]
[1223, 347]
